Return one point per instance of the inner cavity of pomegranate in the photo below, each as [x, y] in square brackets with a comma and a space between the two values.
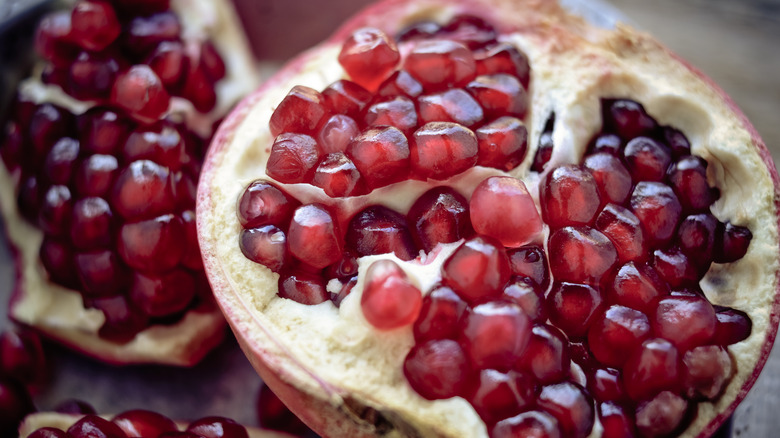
[113, 188]
[513, 323]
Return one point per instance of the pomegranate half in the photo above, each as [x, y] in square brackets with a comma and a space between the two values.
[131, 88]
[576, 294]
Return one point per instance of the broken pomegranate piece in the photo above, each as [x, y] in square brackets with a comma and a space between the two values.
[563, 263]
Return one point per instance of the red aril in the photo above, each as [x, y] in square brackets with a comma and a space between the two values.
[547, 355]
[441, 150]
[389, 300]
[439, 215]
[293, 158]
[299, 112]
[496, 395]
[571, 405]
[314, 236]
[139, 422]
[94, 25]
[530, 423]
[380, 230]
[569, 195]
[495, 334]
[580, 255]
[368, 56]
[437, 369]
[455, 105]
[440, 315]
[502, 143]
[439, 64]
[381, 154]
[519, 222]
[477, 270]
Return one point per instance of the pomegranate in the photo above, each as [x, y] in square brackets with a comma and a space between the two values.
[99, 171]
[577, 226]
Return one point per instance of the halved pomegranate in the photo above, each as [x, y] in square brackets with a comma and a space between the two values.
[580, 230]
[99, 170]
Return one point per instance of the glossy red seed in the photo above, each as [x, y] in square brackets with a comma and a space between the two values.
[53, 39]
[161, 143]
[152, 245]
[400, 83]
[302, 287]
[336, 133]
[623, 228]
[102, 130]
[369, 56]
[573, 307]
[57, 257]
[140, 92]
[94, 24]
[688, 178]
[13, 144]
[389, 301]
[534, 424]
[652, 368]
[55, 210]
[439, 215]
[143, 33]
[346, 97]
[440, 64]
[495, 334]
[733, 326]
[22, 357]
[504, 58]
[314, 236]
[61, 161]
[262, 203]
[419, 30]
[580, 255]
[337, 175]
[159, 295]
[92, 224]
[440, 150]
[530, 262]
[380, 230]
[293, 158]
[15, 405]
[300, 111]
[502, 143]
[569, 195]
[48, 124]
[453, 105]
[470, 30]
[612, 177]
[528, 296]
[617, 332]
[142, 190]
[48, 432]
[696, 238]
[169, 62]
[499, 94]
[686, 321]
[211, 62]
[627, 118]
[142, 423]
[496, 395]
[517, 224]
[381, 154]
[217, 427]
[197, 86]
[74, 406]
[440, 315]
[607, 143]
[123, 319]
[571, 405]
[674, 267]
[344, 269]
[637, 285]
[266, 245]
[606, 384]
[677, 142]
[398, 112]
[29, 199]
[731, 243]
[547, 355]
[437, 369]
[663, 415]
[191, 258]
[477, 270]
[617, 423]
[92, 426]
[95, 175]
[92, 75]
[658, 209]
[706, 371]
[647, 159]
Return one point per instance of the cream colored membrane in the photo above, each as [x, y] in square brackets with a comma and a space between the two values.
[38, 420]
[343, 351]
[59, 311]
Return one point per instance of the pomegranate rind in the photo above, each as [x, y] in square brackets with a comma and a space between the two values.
[341, 377]
[38, 420]
[58, 312]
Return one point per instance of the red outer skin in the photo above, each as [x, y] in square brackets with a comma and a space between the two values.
[323, 417]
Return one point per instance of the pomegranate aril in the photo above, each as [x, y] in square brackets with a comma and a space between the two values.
[502, 143]
[152, 245]
[706, 370]
[663, 415]
[53, 38]
[504, 58]
[547, 355]
[262, 203]
[440, 150]
[400, 83]
[22, 357]
[92, 224]
[293, 158]
[398, 112]
[369, 56]
[437, 369]
[59, 164]
[11, 148]
[344, 291]
[688, 178]
[57, 76]
[496, 395]
[569, 195]
[623, 228]
[198, 87]
[731, 243]
[143, 33]
[499, 94]
[169, 62]
[314, 236]
[440, 64]
[606, 384]
[57, 257]
[651, 368]
[519, 222]
[101, 273]
[528, 296]
[733, 326]
[380, 230]
[440, 315]
[143, 423]
[674, 267]
[302, 287]
[495, 334]
[381, 154]
[658, 209]
[439, 215]
[571, 405]
[696, 238]
[580, 255]
[55, 210]
[141, 93]
[90, 426]
[29, 199]
[48, 124]
[103, 130]
[612, 177]
[338, 177]
[389, 299]
[573, 307]
[627, 118]
[536, 424]
[346, 97]
[161, 143]
[217, 427]
[606, 143]
[123, 320]
[92, 75]
[420, 30]
[95, 175]
[686, 321]
[647, 159]
[15, 405]
[637, 285]
[615, 333]
[544, 152]
[159, 295]
[336, 133]
[477, 270]
[211, 62]
[344, 269]
[617, 423]
[470, 30]
[530, 262]
[453, 105]
[300, 111]
[48, 432]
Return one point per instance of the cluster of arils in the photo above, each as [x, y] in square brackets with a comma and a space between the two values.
[23, 371]
[455, 100]
[129, 54]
